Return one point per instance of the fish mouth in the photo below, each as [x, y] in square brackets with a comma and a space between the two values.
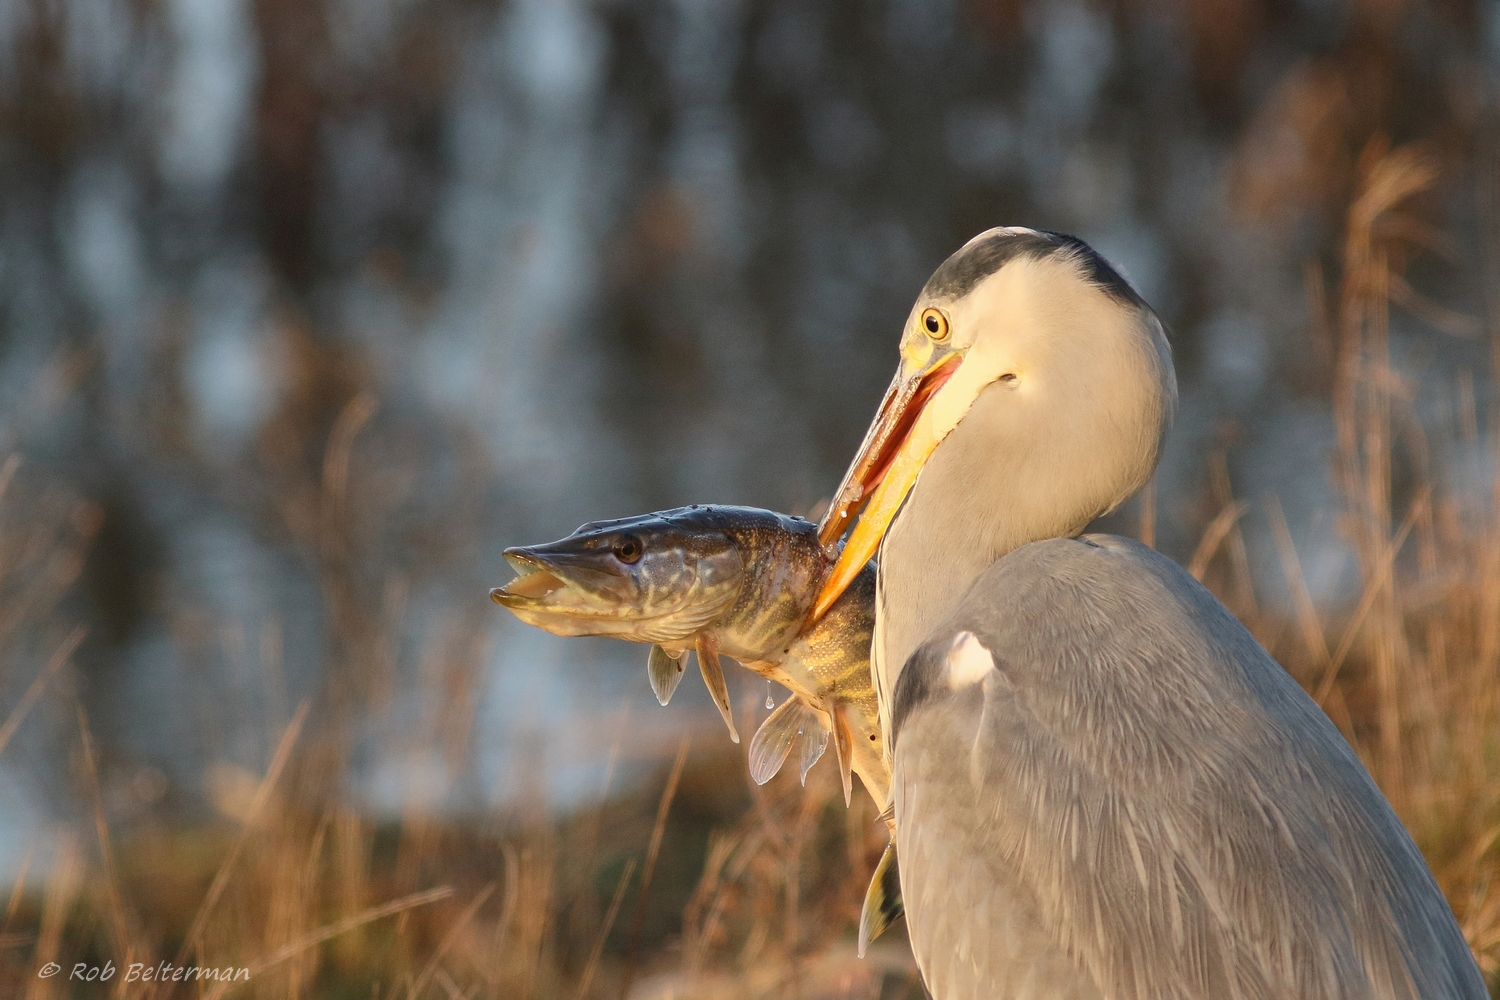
[570, 591]
[545, 594]
[538, 586]
[535, 586]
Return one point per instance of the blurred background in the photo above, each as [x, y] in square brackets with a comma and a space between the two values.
[308, 308]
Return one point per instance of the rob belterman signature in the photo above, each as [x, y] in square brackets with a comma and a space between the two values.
[139, 971]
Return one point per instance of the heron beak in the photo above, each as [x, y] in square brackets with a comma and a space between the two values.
[898, 443]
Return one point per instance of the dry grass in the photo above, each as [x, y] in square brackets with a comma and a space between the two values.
[1408, 672]
[702, 884]
[316, 899]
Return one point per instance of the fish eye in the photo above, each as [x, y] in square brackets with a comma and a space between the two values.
[935, 324]
[628, 549]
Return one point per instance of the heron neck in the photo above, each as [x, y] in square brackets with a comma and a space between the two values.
[946, 536]
[989, 488]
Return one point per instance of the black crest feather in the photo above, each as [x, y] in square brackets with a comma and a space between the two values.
[960, 273]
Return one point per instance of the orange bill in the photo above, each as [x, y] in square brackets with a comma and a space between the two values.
[883, 472]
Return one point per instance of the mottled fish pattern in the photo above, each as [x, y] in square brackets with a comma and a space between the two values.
[737, 581]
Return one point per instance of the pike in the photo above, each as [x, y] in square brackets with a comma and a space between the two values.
[731, 581]
[740, 581]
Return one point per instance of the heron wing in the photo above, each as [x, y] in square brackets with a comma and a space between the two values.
[1137, 791]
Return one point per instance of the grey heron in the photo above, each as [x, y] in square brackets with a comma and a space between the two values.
[1103, 786]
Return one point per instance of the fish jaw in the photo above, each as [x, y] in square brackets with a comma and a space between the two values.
[545, 598]
[562, 593]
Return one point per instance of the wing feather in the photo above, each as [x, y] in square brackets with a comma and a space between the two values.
[1139, 803]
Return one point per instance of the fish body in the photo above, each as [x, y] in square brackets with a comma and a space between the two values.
[740, 581]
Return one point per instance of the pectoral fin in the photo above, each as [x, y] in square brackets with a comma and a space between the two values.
[773, 741]
[665, 672]
[843, 747]
[713, 676]
[882, 900]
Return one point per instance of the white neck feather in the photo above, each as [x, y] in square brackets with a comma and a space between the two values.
[1074, 435]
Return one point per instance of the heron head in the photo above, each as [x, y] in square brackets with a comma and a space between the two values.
[1037, 330]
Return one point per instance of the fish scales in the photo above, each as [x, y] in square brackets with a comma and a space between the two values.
[737, 581]
[783, 561]
[741, 581]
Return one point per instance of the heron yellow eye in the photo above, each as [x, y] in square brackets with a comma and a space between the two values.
[628, 549]
[934, 324]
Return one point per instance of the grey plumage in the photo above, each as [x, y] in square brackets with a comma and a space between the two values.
[1103, 787]
[1163, 812]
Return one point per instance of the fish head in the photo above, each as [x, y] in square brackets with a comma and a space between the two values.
[651, 578]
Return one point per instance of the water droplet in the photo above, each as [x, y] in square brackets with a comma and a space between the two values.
[770, 702]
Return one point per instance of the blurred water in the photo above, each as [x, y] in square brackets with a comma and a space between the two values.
[597, 258]
[208, 98]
